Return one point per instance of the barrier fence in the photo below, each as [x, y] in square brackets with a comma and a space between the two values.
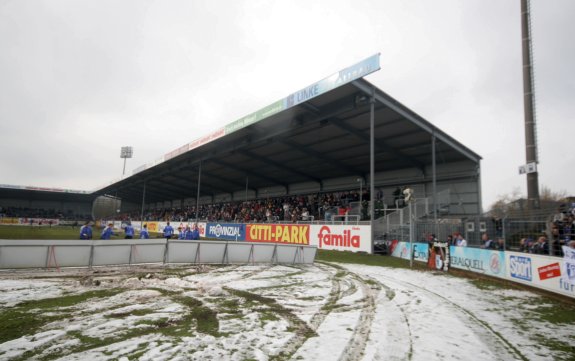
[540, 271]
[56, 253]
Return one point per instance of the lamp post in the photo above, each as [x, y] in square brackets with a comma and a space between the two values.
[126, 152]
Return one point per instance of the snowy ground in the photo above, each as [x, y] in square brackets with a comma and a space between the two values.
[320, 312]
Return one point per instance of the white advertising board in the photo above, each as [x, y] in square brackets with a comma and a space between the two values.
[354, 238]
[545, 272]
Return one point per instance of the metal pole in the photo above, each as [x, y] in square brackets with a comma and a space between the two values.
[529, 106]
[143, 202]
[198, 196]
[124, 170]
[372, 165]
[360, 197]
[411, 232]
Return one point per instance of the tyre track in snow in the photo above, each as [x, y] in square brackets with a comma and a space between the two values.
[502, 347]
[366, 303]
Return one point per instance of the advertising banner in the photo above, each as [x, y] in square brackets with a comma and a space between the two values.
[478, 260]
[9, 220]
[347, 75]
[202, 228]
[546, 272]
[420, 252]
[354, 238]
[39, 221]
[402, 250]
[227, 231]
[278, 233]
[153, 227]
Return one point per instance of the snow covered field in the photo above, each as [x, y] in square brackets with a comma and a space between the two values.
[319, 312]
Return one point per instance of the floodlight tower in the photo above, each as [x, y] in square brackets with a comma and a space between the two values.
[529, 108]
[126, 152]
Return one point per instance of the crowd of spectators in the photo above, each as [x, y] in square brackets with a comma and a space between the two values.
[23, 212]
[563, 228]
[308, 207]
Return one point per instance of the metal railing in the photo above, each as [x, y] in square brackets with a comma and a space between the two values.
[396, 224]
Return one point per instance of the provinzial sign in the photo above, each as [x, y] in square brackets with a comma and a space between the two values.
[227, 231]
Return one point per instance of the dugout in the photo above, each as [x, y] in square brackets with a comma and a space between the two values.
[336, 134]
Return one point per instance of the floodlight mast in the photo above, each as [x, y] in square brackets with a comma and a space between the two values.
[126, 152]
[529, 106]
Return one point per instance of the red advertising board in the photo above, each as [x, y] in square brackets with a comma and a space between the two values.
[278, 233]
[549, 271]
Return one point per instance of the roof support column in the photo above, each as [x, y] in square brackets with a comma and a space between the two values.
[372, 164]
[247, 180]
[143, 203]
[198, 196]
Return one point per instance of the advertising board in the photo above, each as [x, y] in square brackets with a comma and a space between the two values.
[354, 238]
[278, 233]
[227, 231]
[545, 272]
[478, 260]
[403, 249]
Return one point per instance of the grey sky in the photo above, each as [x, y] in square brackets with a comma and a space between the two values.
[80, 79]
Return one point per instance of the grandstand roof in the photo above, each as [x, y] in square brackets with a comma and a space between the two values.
[44, 194]
[323, 138]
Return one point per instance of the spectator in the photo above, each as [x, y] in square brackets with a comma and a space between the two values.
[108, 232]
[305, 215]
[500, 245]
[541, 246]
[450, 241]
[460, 241]
[86, 231]
[524, 245]
[144, 232]
[487, 243]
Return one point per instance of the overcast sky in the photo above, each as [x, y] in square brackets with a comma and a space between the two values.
[80, 79]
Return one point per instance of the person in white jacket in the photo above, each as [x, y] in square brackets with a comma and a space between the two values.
[460, 241]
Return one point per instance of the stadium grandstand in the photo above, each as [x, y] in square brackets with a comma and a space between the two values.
[337, 148]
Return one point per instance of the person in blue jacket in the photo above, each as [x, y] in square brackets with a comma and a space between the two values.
[129, 230]
[168, 231]
[108, 232]
[196, 233]
[188, 233]
[144, 232]
[182, 230]
[86, 231]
